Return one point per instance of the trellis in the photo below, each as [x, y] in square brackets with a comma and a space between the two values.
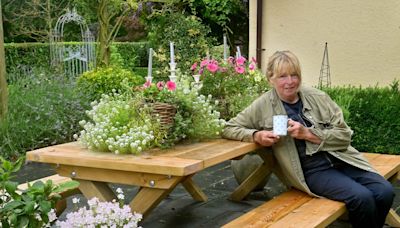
[73, 59]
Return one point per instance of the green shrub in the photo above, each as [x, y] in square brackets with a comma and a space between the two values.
[373, 115]
[43, 111]
[105, 80]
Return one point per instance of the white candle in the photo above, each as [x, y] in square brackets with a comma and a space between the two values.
[150, 65]
[171, 50]
[238, 51]
[225, 49]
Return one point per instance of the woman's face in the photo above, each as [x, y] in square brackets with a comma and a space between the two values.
[286, 85]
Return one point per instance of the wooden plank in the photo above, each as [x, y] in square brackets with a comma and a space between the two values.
[117, 176]
[271, 211]
[251, 182]
[194, 190]
[314, 213]
[392, 219]
[148, 198]
[69, 153]
[100, 190]
[215, 151]
[387, 165]
[56, 179]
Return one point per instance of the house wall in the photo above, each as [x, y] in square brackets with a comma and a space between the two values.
[363, 37]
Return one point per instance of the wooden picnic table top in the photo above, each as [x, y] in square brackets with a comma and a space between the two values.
[181, 160]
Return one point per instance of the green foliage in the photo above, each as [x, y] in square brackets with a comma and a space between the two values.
[43, 110]
[190, 40]
[218, 12]
[26, 58]
[32, 207]
[373, 117]
[22, 59]
[133, 54]
[105, 80]
[234, 84]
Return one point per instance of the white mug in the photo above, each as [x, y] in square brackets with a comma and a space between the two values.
[280, 125]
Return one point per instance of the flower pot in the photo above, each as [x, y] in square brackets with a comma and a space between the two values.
[165, 112]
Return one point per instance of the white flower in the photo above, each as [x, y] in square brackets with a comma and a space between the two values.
[75, 200]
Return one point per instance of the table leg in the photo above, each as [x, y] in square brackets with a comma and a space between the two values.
[260, 174]
[194, 190]
[100, 190]
[148, 198]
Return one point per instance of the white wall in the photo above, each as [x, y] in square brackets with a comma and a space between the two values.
[363, 37]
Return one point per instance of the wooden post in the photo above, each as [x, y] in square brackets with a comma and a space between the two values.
[3, 81]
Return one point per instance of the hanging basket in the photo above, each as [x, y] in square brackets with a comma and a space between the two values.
[165, 112]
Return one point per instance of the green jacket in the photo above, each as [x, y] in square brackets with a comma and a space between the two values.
[328, 124]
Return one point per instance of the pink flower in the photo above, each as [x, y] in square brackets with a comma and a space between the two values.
[239, 69]
[252, 66]
[204, 63]
[160, 85]
[147, 84]
[212, 67]
[254, 60]
[171, 86]
[231, 59]
[241, 60]
[201, 71]
[194, 66]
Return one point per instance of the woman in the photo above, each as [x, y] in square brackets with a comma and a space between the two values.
[316, 156]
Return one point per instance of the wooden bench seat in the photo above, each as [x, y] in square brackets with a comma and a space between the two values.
[297, 209]
[57, 180]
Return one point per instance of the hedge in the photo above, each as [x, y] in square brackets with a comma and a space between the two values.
[373, 115]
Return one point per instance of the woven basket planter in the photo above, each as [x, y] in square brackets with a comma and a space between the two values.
[165, 112]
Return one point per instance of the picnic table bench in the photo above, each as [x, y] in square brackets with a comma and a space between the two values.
[297, 209]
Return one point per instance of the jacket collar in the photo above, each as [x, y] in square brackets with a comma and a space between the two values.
[277, 103]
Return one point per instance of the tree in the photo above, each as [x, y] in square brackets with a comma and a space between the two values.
[27, 21]
[110, 16]
[3, 81]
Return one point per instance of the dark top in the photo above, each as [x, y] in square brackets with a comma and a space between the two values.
[309, 163]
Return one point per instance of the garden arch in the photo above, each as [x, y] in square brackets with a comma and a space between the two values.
[75, 58]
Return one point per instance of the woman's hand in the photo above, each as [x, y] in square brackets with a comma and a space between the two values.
[265, 138]
[299, 131]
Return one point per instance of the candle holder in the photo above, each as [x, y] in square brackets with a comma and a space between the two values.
[172, 77]
[196, 78]
[149, 79]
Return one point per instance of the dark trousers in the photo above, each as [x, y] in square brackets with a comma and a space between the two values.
[367, 195]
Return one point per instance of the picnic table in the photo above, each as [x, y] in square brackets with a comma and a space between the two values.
[157, 172]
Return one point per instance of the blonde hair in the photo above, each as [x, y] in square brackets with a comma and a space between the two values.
[283, 62]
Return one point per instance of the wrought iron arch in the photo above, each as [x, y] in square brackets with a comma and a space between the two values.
[77, 58]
